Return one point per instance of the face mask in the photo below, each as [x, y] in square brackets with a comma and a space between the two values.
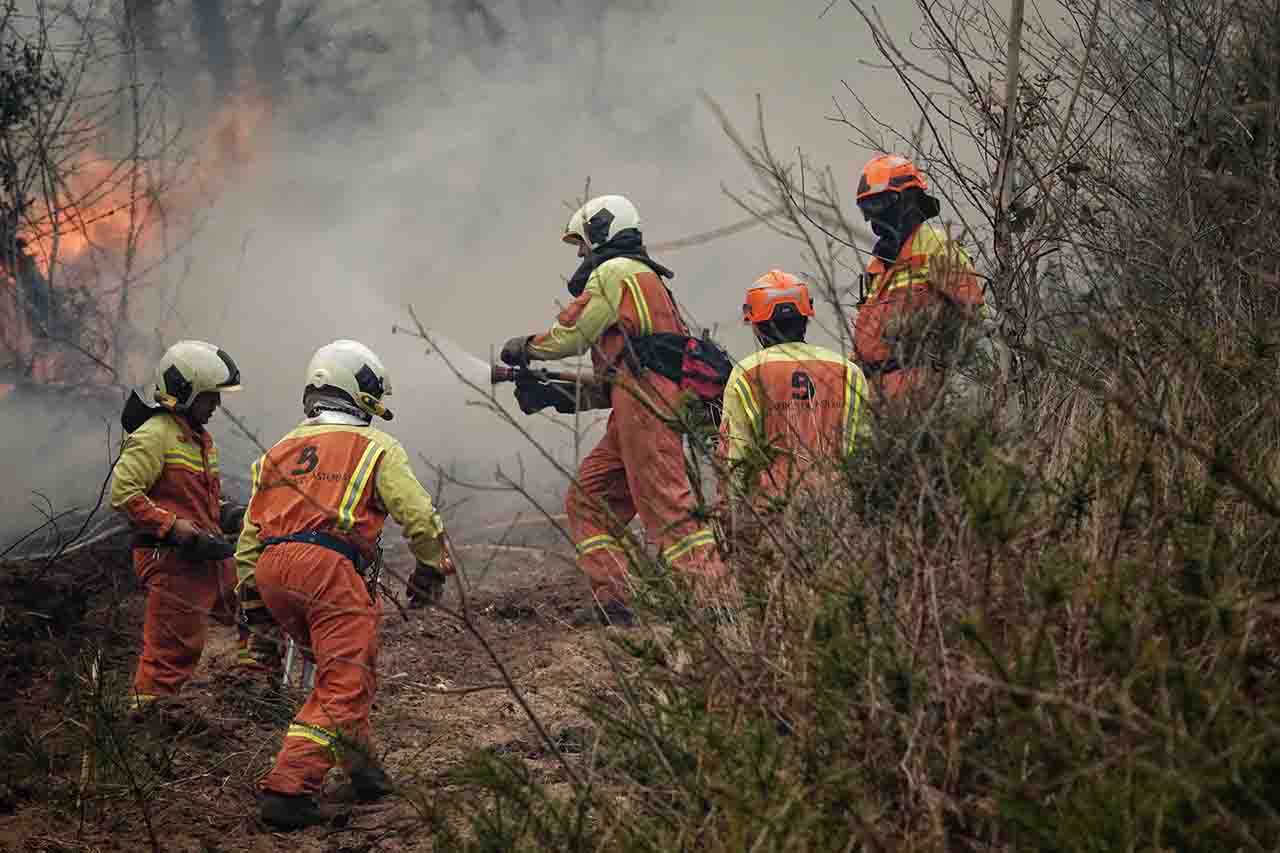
[883, 229]
[882, 213]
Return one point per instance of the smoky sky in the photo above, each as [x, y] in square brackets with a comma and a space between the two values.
[437, 173]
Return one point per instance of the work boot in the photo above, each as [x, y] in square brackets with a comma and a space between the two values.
[617, 614]
[287, 812]
[370, 782]
[167, 716]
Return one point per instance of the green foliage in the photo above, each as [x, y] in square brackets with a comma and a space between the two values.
[1043, 626]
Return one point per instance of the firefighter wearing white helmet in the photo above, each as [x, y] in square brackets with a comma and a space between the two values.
[350, 373]
[320, 498]
[191, 368]
[599, 221]
[624, 315]
[167, 482]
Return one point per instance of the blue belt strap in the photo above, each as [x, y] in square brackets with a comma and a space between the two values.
[324, 540]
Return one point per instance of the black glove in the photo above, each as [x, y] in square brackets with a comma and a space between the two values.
[231, 517]
[426, 586]
[253, 610]
[515, 352]
[206, 546]
[536, 396]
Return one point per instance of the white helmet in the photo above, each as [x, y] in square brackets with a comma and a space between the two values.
[600, 220]
[352, 367]
[189, 368]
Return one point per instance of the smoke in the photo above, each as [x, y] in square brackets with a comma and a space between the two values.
[439, 175]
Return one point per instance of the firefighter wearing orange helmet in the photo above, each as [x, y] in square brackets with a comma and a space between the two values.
[320, 498]
[167, 482]
[916, 270]
[620, 305]
[791, 408]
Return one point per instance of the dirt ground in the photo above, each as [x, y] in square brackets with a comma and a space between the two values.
[196, 774]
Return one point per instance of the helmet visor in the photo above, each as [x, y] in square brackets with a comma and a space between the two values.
[232, 382]
[878, 206]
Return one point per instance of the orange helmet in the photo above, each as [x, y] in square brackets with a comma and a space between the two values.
[889, 173]
[774, 290]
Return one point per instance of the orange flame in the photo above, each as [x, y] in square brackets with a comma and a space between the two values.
[107, 203]
[105, 212]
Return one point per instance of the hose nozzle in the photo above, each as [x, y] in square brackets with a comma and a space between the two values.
[502, 373]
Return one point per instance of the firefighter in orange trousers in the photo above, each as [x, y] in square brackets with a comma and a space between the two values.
[792, 410]
[167, 482]
[620, 303]
[320, 498]
[916, 268]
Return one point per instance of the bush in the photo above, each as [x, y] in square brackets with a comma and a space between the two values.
[1035, 615]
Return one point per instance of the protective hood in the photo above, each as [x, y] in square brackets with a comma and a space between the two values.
[898, 223]
[137, 412]
[627, 244]
[317, 405]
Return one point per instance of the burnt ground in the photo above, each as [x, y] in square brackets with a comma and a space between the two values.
[190, 777]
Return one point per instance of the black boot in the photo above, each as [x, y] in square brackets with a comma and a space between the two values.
[287, 812]
[617, 614]
[370, 782]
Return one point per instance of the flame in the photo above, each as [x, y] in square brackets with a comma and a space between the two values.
[108, 212]
[107, 204]
[96, 210]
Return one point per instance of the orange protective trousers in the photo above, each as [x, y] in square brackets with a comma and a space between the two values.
[638, 467]
[901, 382]
[908, 389]
[181, 595]
[318, 599]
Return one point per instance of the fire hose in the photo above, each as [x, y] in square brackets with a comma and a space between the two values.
[525, 375]
[537, 388]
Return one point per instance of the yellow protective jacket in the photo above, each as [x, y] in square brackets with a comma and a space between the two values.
[788, 408]
[336, 475]
[623, 299]
[930, 269]
[166, 471]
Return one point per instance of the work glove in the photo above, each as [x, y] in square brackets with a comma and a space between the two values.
[515, 352]
[231, 517]
[181, 532]
[205, 547]
[264, 643]
[426, 586]
[535, 396]
[253, 610]
[196, 545]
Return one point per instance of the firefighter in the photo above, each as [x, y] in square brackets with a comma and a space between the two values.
[167, 482]
[918, 280]
[619, 305]
[792, 408]
[320, 498]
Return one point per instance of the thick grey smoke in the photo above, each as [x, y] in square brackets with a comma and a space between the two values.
[438, 177]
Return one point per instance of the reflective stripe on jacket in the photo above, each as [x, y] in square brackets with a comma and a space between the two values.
[623, 299]
[167, 471]
[929, 264]
[802, 401]
[341, 478]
